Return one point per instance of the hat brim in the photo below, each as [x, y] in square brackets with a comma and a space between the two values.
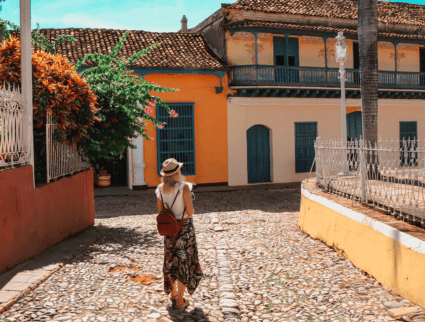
[174, 172]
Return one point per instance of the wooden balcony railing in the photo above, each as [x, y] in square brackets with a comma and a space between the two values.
[315, 76]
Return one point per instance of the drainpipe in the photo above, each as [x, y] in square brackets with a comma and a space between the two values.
[184, 24]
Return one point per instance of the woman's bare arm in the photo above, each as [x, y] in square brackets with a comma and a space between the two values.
[159, 204]
[187, 198]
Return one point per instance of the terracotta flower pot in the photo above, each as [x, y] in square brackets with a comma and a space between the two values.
[104, 180]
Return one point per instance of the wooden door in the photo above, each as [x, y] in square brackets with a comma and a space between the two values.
[258, 144]
[288, 74]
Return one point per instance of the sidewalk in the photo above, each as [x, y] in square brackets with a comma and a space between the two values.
[26, 276]
[124, 191]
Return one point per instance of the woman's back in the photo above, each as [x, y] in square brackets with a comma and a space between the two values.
[169, 195]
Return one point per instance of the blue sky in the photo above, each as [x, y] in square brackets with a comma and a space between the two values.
[153, 15]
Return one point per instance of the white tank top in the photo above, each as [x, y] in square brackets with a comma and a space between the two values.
[178, 206]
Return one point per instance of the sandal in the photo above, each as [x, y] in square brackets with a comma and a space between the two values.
[183, 306]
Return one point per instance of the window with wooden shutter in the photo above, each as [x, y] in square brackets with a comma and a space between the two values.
[408, 131]
[305, 134]
[177, 138]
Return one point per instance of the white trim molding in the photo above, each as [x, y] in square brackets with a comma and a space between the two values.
[286, 101]
[138, 167]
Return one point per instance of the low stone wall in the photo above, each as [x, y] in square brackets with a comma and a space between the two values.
[32, 220]
[393, 252]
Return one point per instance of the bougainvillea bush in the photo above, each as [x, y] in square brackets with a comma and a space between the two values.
[125, 104]
[56, 87]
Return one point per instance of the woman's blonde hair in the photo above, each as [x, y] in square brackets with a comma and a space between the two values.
[170, 181]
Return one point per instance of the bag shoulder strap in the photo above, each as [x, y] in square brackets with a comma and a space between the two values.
[178, 191]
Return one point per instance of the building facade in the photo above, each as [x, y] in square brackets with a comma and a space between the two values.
[284, 89]
[198, 136]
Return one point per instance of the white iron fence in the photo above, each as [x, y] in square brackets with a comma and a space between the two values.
[389, 176]
[12, 115]
[62, 159]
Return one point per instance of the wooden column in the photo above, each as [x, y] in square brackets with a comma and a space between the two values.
[325, 38]
[26, 76]
[286, 48]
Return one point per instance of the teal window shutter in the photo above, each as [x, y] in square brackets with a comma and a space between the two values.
[177, 138]
[305, 134]
[408, 131]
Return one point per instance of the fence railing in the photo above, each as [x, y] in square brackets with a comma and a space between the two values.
[12, 116]
[317, 76]
[390, 176]
[62, 159]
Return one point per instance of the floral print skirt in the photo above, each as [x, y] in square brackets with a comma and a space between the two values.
[181, 259]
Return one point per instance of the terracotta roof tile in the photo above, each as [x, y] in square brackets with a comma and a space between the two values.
[389, 12]
[279, 25]
[176, 50]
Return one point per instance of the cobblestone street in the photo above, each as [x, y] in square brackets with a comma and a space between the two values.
[258, 266]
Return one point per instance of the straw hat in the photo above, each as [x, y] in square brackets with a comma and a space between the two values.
[170, 167]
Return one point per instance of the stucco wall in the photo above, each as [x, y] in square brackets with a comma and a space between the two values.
[32, 220]
[210, 125]
[392, 257]
[280, 114]
[241, 51]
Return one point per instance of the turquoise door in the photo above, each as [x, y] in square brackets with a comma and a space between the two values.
[354, 126]
[286, 75]
[258, 141]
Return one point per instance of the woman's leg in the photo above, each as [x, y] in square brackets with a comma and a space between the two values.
[180, 293]
[174, 291]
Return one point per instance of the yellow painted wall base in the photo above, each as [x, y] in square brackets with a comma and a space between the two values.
[387, 260]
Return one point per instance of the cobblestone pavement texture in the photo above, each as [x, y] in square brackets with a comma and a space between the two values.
[258, 266]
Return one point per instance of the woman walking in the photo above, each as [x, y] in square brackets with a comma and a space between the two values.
[181, 264]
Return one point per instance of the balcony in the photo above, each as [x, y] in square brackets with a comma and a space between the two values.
[267, 75]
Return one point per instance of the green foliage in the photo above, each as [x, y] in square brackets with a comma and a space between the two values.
[125, 104]
[39, 40]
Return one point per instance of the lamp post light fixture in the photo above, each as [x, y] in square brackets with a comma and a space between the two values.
[341, 56]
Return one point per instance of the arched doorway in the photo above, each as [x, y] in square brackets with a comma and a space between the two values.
[258, 144]
[354, 125]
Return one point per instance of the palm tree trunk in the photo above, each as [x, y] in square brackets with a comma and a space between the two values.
[368, 50]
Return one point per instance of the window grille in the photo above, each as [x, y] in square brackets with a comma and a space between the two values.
[177, 138]
[408, 137]
[305, 134]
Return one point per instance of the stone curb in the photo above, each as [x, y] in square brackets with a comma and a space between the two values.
[227, 302]
[13, 301]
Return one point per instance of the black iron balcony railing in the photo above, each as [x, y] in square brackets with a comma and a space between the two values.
[315, 76]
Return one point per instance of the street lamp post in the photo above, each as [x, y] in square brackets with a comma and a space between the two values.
[341, 56]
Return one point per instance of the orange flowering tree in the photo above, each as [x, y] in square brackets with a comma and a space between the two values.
[57, 87]
[125, 104]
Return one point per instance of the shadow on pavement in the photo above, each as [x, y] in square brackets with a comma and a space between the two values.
[273, 201]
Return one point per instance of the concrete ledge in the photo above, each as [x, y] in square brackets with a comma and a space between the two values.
[368, 239]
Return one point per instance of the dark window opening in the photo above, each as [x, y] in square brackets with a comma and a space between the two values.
[356, 56]
[280, 60]
[291, 60]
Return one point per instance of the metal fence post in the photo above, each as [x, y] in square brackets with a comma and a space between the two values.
[318, 152]
[362, 170]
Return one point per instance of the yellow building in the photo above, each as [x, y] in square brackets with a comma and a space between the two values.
[198, 136]
[284, 89]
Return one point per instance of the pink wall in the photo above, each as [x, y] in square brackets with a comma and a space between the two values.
[32, 220]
